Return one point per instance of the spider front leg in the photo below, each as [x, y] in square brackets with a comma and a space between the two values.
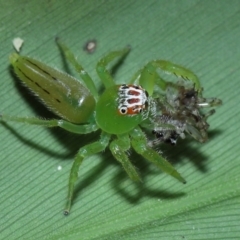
[78, 67]
[148, 77]
[102, 71]
[84, 152]
[139, 144]
[101, 67]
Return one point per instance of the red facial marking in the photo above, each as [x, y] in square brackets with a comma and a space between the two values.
[132, 99]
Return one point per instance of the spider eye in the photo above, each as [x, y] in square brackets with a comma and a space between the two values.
[123, 110]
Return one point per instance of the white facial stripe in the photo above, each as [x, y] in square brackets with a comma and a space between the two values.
[133, 98]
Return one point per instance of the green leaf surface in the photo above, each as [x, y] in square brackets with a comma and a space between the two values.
[35, 162]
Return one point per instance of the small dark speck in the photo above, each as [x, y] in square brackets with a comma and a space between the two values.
[90, 46]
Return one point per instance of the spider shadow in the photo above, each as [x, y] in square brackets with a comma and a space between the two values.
[190, 149]
[93, 175]
[184, 150]
[138, 190]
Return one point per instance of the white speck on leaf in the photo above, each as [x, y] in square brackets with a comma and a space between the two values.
[17, 43]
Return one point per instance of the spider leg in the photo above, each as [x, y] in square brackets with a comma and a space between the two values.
[118, 148]
[209, 102]
[179, 71]
[78, 67]
[148, 77]
[135, 77]
[101, 68]
[199, 134]
[75, 128]
[84, 152]
[139, 143]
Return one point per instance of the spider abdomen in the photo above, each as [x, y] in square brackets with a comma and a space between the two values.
[61, 93]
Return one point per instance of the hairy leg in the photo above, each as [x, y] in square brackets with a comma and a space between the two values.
[139, 143]
[118, 148]
[75, 128]
[84, 152]
[148, 76]
[78, 67]
[102, 71]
